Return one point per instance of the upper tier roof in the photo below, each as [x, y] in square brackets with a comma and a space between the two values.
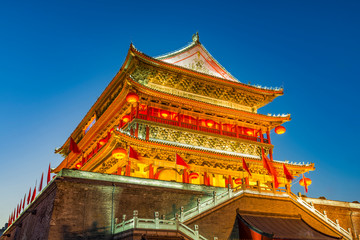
[195, 57]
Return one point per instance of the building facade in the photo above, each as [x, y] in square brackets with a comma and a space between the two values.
[174, 148]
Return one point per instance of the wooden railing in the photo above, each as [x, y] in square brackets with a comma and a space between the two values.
[199, 128]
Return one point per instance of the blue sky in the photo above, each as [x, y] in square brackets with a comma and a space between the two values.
[56, 57]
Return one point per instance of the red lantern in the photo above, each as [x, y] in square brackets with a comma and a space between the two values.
[119, 153]
[126, 118]
[280, 130]
[193, 175]
[302, 181]
[132, 97]
[164, 113]
[238, 181]
[249, 132]
[103, 141]
[78, 165]
[210, 123]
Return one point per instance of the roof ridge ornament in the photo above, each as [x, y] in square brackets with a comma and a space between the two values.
[195, 37]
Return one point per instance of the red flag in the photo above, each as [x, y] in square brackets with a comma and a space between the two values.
[23, 206]
[41, 182]
[180, 161]
[73, 146]
[33, 194]
[270, 168]
[17, 211]
[29, 196]
[133, 153]
[305, 184]
[48, 176]
[288, 175]
[245, 166]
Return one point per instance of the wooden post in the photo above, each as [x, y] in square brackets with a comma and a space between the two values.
[131, 113]
[147, 133]
[268, 136]
[118, 171]
[184, 176]
[261, 136]
[137, 130]
[128, 168]
[237, 131]
[205, 179]
[151, 171]
[220, 126]
[137, 110]
[148, 113]
[179, 119]
[230, 181]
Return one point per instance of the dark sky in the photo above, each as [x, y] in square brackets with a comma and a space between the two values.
[56, 57]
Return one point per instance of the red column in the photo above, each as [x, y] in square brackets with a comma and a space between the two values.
[137, 130]
[268, 136]
[230, 181]
[185, 176]
[151, 171]
[147, 133]
[205, 179]
[131, 113]
[137, 110]
[128, 169]
[197, 123]
[179, 119]
[118, 171]
[261, 136]
[220, 126]
[148, 113]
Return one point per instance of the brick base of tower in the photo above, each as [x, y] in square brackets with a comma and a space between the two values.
[85, 205]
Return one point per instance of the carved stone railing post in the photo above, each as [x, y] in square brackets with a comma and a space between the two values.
[214, 198]
[156, 214]
[349, 230]
[198, 205]
[196, 232]
[229, 190]
[337, 224]
[177, 221]
[312, 205]
[325, 215]
[182, 214]
[123, 222]
[135, 217]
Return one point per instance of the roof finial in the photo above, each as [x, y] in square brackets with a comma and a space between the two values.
[195, 37]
